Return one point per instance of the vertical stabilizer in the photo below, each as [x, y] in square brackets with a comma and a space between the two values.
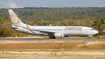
[15, 20]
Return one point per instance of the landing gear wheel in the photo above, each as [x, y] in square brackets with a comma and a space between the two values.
[50, 37]
[54, 37]
[88, 37]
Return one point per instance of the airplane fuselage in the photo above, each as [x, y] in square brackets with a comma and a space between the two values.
[61, 31]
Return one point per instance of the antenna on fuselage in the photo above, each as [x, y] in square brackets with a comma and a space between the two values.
[50, 25]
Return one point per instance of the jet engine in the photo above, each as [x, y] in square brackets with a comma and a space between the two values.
[59, 35]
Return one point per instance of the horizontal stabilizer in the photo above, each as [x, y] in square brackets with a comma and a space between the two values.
[11, 27]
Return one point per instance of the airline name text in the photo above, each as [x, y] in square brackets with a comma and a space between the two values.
[73, 28]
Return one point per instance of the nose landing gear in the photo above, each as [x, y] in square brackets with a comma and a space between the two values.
[89, 36]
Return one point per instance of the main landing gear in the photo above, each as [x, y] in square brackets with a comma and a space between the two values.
[52, 37]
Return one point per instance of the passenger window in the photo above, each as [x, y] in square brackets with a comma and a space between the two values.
[91, 29]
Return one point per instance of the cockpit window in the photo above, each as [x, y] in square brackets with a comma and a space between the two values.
[91, 29]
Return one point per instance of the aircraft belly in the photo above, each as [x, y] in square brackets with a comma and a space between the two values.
[74, 33]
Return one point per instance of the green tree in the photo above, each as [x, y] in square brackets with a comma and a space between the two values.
[97, 25]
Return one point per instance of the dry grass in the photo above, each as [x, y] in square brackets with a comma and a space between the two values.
[53, 50]
[33, 45]
[50, 45]
[96, 46]
[36, 56]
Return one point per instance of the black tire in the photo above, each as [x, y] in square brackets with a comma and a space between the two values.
[50, 37]
[54, 37]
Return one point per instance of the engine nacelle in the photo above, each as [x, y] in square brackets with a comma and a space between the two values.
[59, 35]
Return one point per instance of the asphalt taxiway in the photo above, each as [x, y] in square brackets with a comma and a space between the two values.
[52, 40]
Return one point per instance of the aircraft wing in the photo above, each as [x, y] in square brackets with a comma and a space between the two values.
[45, 31]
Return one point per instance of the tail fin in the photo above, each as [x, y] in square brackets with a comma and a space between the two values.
[15, 20]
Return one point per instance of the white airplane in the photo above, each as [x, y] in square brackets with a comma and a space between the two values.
[51, 31]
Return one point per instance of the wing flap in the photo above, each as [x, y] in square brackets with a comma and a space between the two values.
[45, 31]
